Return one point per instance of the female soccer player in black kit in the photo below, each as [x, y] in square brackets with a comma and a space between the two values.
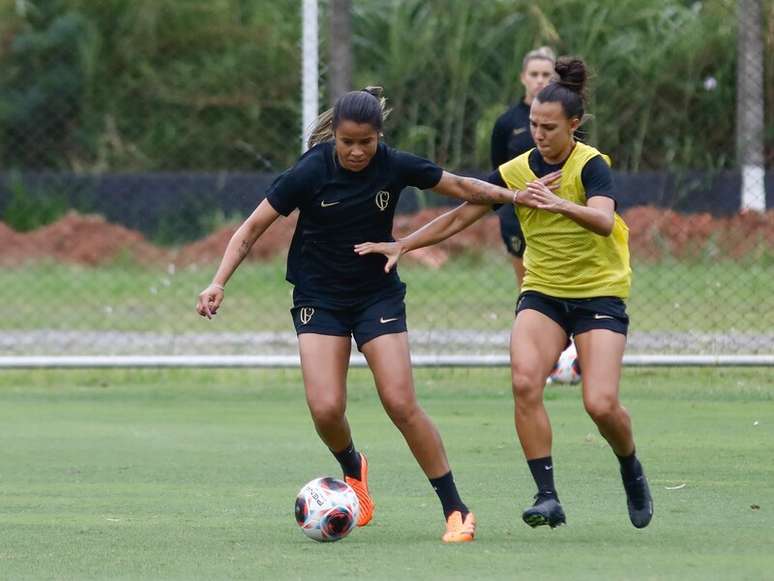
[511, 137]
[577, 277]
[346, 188]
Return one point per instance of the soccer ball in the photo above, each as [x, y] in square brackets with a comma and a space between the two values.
[567, 368]
[327, 509]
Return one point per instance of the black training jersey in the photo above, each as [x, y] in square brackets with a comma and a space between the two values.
[338, 209]
[511, 135]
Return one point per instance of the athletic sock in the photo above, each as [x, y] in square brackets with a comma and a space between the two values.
[447, 493]
[349, 460]
[631, 469]
[543, 473]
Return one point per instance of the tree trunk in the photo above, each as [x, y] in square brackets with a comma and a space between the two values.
[749, 104]
[340, 66]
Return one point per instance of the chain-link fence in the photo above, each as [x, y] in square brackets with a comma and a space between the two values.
[135, 135]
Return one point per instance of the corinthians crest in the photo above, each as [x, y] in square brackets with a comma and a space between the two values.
[305, 315]
[382, 200]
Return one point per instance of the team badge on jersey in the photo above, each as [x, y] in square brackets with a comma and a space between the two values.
[305, 315]
[382, 200]
[516, 244]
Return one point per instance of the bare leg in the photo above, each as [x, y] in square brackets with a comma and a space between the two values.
[536, 342]
[324, 363]
[600, 353]
[389, 360]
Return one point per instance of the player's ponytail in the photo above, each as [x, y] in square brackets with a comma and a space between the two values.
[365, 106]
[569, 89]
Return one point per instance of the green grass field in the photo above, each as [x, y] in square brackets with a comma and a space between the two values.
[473, 292]
[192, 475]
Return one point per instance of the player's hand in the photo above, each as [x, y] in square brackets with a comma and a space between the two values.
[209, 301]
[552, 181]
[541, 196]
[392, 250]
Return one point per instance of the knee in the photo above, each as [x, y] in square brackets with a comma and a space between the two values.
[527, 386]
[602, 408]
[327, 412]
[402, 411]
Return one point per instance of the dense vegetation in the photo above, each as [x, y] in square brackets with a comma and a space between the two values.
[126, 85]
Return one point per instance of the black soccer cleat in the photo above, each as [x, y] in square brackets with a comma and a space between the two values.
[639, 501]
[545, 511]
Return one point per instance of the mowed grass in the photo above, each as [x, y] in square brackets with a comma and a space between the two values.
[192, 475]
[476, 291]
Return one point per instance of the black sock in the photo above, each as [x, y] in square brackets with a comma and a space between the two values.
[349, 460]
[543, 473]
[447, 492]
[631, 469]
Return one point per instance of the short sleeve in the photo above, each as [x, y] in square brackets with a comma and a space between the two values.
[498, 152]
[296, 185]
[597, 179]
[416, 171]
[496, 178]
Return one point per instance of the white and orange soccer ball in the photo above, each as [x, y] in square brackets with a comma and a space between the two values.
[567, 369]
[327, 509]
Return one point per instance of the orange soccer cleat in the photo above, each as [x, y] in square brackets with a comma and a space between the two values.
[459, 530]
[360, 487]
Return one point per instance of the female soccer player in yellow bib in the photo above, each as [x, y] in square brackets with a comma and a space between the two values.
[577, 277]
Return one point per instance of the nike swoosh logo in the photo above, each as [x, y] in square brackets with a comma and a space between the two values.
[596, 316]
[519, 130]
[548, 467]
[325, 204]
[383, 320]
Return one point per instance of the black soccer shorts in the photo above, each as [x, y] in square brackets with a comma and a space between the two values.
[382, 317]
[577, 316]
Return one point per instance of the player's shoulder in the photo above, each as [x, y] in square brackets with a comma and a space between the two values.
[394, 156]
[315, 162]
[507, 117]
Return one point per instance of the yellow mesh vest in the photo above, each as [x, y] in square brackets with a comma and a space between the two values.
[562, 258]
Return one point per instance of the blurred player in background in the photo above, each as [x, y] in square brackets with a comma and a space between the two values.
[577, 277]
[347, 188]
[511, 137]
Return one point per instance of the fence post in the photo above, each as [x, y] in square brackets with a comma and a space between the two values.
[310, 73]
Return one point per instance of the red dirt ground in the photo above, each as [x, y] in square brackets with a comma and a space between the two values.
[654, 234]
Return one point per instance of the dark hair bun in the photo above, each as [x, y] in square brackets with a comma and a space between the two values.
[572, 74]
[377, 92]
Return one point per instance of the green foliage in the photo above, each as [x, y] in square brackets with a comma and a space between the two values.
[29, 210]
[43, 84]
[206, 84]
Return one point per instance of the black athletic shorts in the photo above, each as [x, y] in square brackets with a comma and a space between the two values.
[510, 230]
[382, 317]
[577, 316]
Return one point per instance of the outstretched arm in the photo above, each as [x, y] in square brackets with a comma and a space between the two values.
[238, 247]
[473, 190]
[480, 195]
[478, 191]
[444, 226]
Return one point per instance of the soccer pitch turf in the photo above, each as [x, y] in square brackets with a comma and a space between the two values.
[129, 474]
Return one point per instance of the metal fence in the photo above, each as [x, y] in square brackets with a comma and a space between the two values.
[135, 135]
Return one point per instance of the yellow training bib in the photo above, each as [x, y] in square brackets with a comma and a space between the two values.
[564, 259]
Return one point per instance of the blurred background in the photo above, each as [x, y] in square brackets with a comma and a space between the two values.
[135, 135]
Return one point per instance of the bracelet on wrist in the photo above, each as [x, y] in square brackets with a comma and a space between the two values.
[220, 286]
